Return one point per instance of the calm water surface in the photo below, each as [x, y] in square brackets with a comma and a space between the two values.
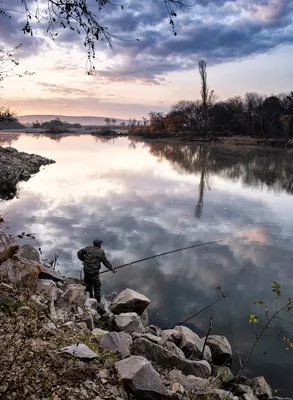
[147, 198]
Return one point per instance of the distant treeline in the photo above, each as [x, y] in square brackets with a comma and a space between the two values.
[251, 115]
[55, 124]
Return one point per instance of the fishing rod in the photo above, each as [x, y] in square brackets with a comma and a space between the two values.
[163, 254]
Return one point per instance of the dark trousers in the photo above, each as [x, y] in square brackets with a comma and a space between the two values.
[93, 284]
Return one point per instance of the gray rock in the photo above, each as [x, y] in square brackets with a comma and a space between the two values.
[140, 378]
[129, 322]
[174, 349]
[20, 271]
[151, 337]
[49, 273]
[162, 356]
[48, 287]
[88, 319]
[220, 394]
[242, 389]
[99, 332]
[29, 252]
[5, 241]
[193, 383]
[83, 326]
[171, 335]
[129, 301]
[260, 387]
[220, 348]
[154, 330]
[79, 351]
[192, 345]
[248, 396]
[51, 326]
[91, 304]
[144, 318]
[117, 342]
[74, 295]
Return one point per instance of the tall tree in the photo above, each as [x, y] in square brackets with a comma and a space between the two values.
[207, 95]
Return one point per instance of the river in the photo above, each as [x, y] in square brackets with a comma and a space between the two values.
[147, 198]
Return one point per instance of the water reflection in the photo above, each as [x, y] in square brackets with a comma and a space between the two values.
[142, 201]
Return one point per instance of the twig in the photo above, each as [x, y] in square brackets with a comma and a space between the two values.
[207, 336]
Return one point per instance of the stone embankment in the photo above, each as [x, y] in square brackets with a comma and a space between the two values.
[17, 166]
[61, 344]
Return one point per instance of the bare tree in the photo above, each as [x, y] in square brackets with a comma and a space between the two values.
[207, 95]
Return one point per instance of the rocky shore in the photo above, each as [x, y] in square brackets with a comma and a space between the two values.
[56, 343]
[17, 166]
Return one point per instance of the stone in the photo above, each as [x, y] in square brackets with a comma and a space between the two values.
[144, 318]
[260, 387]
[104, 374]
[83, 326]
[154, 330]
[99, 332]
[174, 349]
[140, 378]
[242, 389]
[249, 396]
[178, 388]
[162, 356]
[151, 337]
[171, 335]
[51, 326]
[219, 394]
[5, 240]
[129, 322]
[280, 398]
[129, 301]
[79, 351]
[74, 295]
[117, 342]
[89, 321]
[29, 252]
[25, 311]
[192, 345]
[48, 287]
[220, 348]
[21, 272]
[91, 304]
[191, 383]
[50, 273]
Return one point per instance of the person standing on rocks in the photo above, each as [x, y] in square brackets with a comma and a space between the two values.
[92, 257]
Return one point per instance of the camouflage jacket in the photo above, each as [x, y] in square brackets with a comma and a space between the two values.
[92, 257]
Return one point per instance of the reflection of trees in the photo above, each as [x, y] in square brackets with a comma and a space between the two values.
[202, 183]
[254, 166]
[8, 139]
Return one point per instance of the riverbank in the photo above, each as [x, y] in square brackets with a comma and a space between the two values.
[181, 137]
[58, 344]
[17, 166]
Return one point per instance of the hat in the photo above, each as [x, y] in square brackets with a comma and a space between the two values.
[97, 242]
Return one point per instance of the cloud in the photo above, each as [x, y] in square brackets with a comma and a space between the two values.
[63, 90]
[218, 31]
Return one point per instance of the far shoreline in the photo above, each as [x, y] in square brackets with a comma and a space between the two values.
[161, 136]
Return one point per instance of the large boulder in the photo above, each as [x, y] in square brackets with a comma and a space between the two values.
[74, 295]
[192, 345]
[129, 301]
[129, 322]
[29, 252]
[117, 342]
[260, 387]
[20, 271]
[220, 348]
[140, 378]
[163, 356]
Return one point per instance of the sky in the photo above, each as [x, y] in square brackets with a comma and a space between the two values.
[247, 44]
